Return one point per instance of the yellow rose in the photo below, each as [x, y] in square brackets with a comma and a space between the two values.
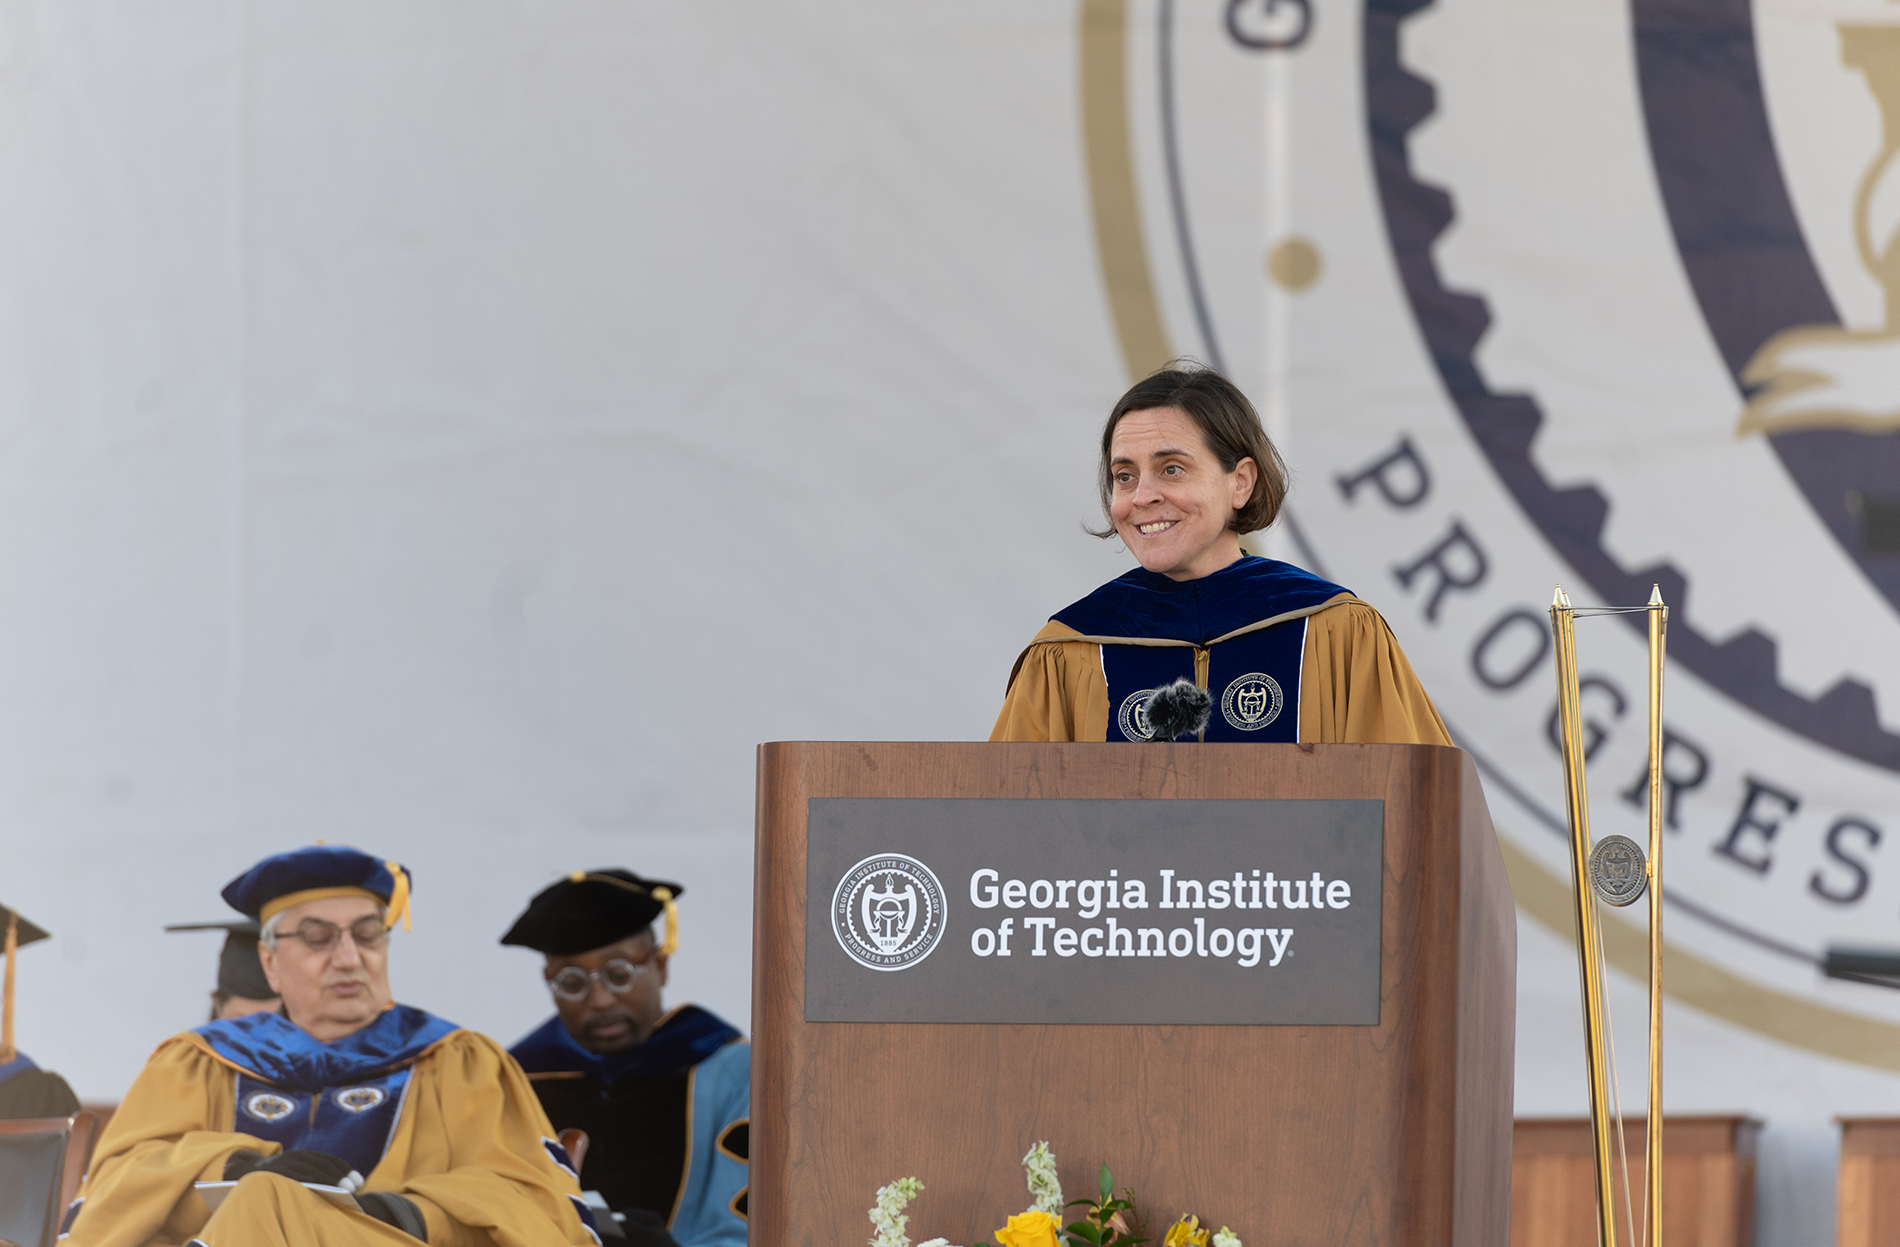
[1186, 1233]
[1034, 1228]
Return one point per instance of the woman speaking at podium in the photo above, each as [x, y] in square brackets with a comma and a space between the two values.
[1283, 655]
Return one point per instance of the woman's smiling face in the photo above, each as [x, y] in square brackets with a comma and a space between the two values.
[1169, 497]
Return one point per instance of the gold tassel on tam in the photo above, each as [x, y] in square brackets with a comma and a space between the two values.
[671, 943]
[7, 1050]
[398, 895]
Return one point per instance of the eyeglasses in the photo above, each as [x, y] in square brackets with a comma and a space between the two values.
[617, 976]
[320, 936]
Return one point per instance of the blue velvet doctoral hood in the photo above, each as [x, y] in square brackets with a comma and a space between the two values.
[681, 1042]
[278, 1051]
[1149, 606]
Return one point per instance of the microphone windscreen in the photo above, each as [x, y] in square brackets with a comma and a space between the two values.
[1178, 709]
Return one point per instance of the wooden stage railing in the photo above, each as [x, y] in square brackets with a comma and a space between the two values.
[1869, 1190]
[1708, 1182]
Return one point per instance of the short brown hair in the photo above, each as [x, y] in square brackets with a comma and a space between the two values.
[1228, 423]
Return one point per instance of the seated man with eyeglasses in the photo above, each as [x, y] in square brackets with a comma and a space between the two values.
[664, 1097]
[344, 1119]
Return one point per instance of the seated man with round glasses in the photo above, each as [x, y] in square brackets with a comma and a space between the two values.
[664, 1097]
[344, 1119]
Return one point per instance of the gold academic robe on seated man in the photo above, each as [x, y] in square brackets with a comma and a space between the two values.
[1285, 655]
[438, 1114]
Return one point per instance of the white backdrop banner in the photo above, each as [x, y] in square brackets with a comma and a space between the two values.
[467, 428]
[1594, 295]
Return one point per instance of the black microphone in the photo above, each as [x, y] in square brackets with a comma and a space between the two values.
[1178, 709]
[1878, 966]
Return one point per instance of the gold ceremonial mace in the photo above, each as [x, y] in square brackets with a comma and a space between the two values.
[1618, 872]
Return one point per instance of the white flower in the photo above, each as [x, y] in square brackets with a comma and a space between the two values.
[1225, 1237]
[1039, 1166]
[888, 1219]
[935, 1242]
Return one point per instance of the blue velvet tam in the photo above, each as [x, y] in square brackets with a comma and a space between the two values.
[315, 873]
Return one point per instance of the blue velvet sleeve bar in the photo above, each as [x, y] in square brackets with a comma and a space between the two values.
[712, 1209]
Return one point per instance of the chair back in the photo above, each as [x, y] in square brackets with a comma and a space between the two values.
[80, 1140]
[574, 1143]
[32, 1178]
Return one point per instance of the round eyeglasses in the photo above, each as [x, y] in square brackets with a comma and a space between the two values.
[617, 976]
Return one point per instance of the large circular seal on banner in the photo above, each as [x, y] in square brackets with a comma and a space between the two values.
[1754, 280]
[1763, 303]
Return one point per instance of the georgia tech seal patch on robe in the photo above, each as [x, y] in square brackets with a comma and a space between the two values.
[1286, 655]
[418, 1105]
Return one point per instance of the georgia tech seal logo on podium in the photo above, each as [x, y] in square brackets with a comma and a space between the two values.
[1252, 702]
[887, 912]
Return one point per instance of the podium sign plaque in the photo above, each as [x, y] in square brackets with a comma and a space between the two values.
[1332, 1068]
[1109, 912]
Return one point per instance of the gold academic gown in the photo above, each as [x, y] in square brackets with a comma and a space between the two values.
[1356, 686]
[467, 1149]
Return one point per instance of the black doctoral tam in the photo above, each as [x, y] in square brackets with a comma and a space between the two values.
[590, 909]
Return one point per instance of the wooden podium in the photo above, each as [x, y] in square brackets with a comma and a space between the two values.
[1397, 1132]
